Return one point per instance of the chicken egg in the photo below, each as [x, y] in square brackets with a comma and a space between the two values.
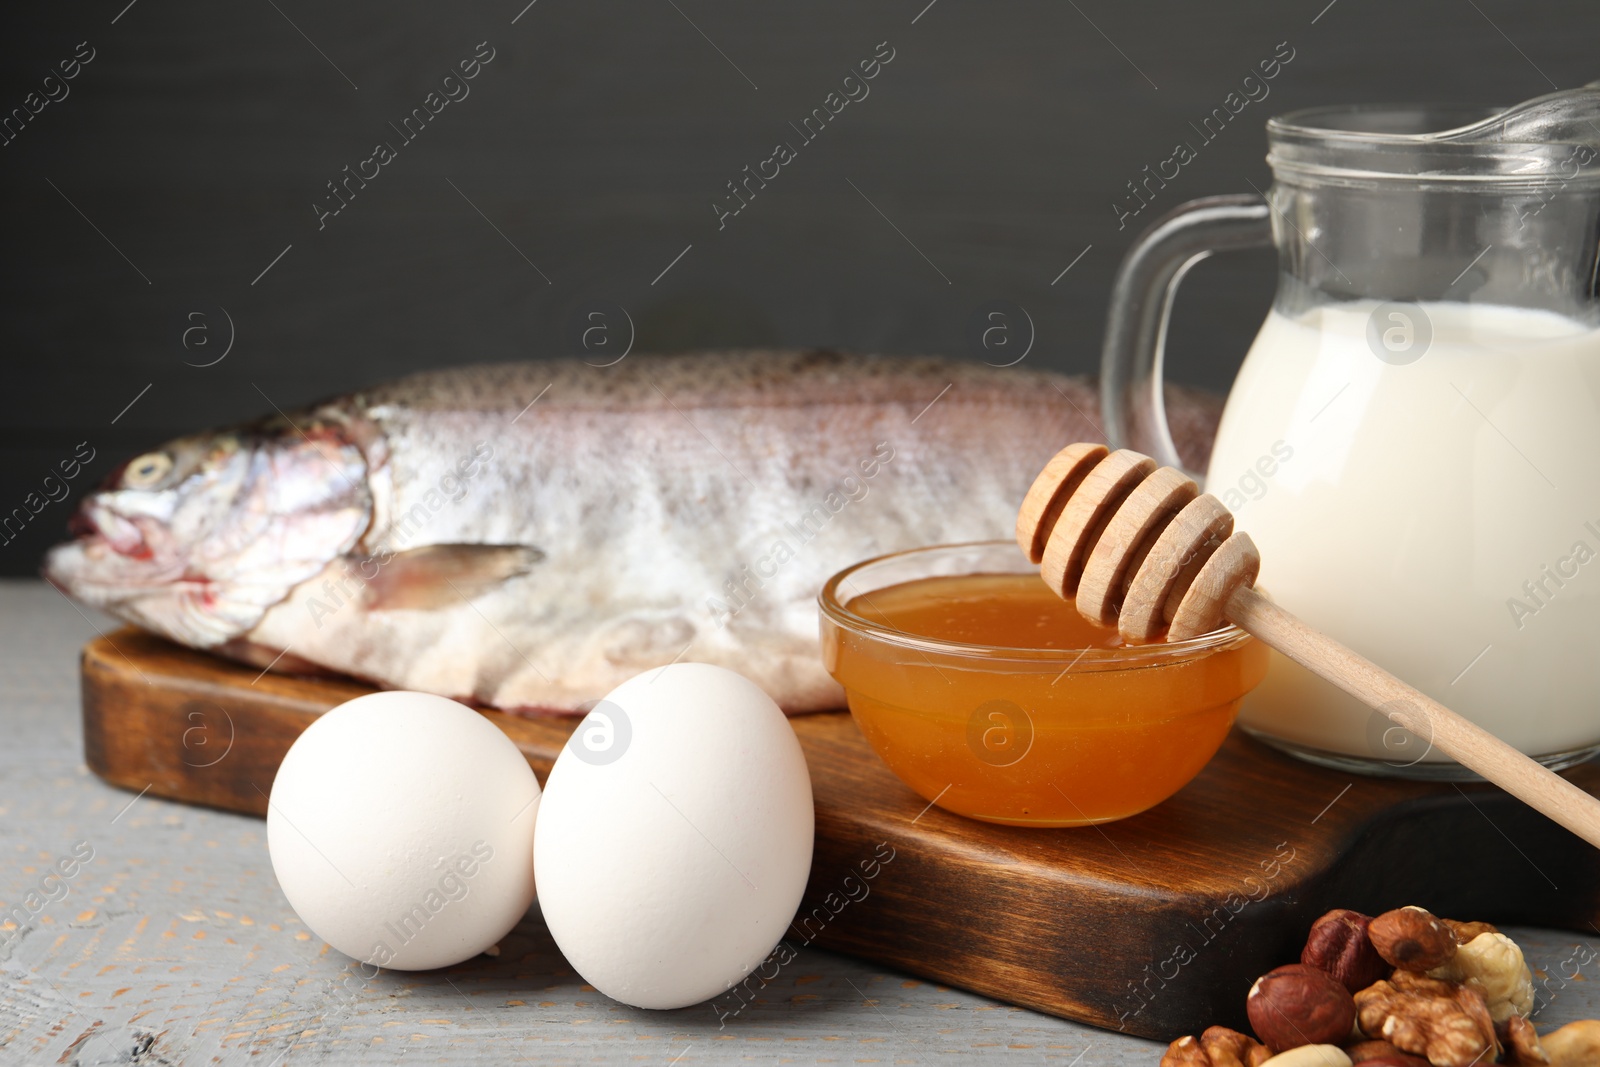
[675, 836]
[400, 827]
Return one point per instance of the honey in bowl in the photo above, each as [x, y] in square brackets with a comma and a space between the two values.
[993, 698]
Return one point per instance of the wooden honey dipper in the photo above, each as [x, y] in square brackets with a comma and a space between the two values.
[1142, 548]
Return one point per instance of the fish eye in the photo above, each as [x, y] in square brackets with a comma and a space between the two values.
[146, 471]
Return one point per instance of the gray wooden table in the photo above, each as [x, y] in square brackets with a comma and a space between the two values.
[172, 944]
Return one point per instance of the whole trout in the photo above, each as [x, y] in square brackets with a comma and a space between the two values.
[530, 535]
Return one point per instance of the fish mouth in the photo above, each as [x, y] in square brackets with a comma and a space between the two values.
[108, 559]
[94, 527]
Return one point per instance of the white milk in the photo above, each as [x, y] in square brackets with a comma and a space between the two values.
[1442, 518]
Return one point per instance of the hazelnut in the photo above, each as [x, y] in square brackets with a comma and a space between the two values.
[1412, 939]
[1299, 1005]
[1382, 1054]
[1339, 945]
[1310, 1056]
[1574, 1045]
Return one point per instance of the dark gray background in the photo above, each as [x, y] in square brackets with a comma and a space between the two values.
[996, 140]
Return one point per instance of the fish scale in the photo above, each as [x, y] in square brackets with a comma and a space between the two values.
[614, 519]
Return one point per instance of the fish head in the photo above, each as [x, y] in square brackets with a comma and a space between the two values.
[196, 540]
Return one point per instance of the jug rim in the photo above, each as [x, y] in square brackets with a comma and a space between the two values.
[1380, 121]
[1387, 143]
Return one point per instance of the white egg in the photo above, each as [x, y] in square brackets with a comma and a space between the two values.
[675, 837]
[401, 830]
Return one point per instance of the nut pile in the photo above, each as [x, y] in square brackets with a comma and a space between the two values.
[1406, 989]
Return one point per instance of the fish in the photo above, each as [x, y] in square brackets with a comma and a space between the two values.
[528, 535]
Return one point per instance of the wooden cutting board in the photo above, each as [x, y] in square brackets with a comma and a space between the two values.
[1155, 926]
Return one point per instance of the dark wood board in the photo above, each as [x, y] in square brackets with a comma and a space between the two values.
[1155, 926]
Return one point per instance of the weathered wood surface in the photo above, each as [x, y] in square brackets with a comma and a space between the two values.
[175, 940]
[1153, 926]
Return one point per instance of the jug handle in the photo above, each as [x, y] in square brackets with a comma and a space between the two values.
[1131, 400]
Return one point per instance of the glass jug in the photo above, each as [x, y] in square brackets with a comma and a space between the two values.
[1413, 440]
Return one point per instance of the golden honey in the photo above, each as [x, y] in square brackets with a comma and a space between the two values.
[994, 698]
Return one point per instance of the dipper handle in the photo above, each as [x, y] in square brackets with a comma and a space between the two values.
[1141, 547]
[1425, 718]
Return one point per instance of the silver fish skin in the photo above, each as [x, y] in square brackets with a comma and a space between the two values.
[530, 535]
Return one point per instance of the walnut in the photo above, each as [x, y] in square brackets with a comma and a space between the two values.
[1574, 1045]
[1186, 1052]
[1448, 1024]
[1217, 1047]
[1230, 1048]
[1521, 1040]
[1493, 963]
[1467, 931]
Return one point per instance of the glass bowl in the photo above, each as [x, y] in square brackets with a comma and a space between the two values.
[1027, 736]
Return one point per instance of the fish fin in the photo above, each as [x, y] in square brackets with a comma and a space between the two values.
[438, 576]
